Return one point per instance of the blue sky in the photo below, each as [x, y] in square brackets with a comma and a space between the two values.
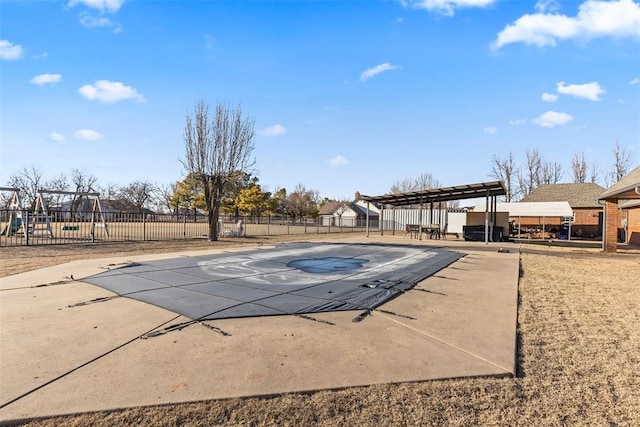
[346, 95]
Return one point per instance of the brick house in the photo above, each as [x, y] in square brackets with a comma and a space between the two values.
[583, 199]
[622, 211]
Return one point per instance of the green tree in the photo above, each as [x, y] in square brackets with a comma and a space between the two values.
[238, 181]
[277, 202]
[188, 195]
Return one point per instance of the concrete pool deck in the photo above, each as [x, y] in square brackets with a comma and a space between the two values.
[56, 359]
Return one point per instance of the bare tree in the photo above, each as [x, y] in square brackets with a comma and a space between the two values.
[423, 182]
[426, 181]
[594, 176]
[529, 178]
[302, 202]
[164, 193]
[110, 191]
[214, 150]
[550, 172]
[622, 161]
[137, 194]
[403, 186]
[579, 168]
[29, 181]
[81, 182]
[58, 183]
[505, 170]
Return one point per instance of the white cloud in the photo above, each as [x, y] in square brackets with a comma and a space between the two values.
[10, 51]
[46, 79]
[93, 21]
[273, 130]
[549, 97]
[87, 135]
[552, 119]
[377, 70]
[109, 6]
[338, 160]
[634, 81]
[547, 6]
[595, 18]
[517, 122]
[108, 91]
[590, 91]
[445, 7]
[492, 130]
[55, 136]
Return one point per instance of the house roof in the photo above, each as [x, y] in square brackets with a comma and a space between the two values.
[329, 208]
[627, 188]
[361, 210]
[531, 209]
[458, 192]
[579, 195]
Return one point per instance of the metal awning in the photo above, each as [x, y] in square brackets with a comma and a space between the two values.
[458, 192]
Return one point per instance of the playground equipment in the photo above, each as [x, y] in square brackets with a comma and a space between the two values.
[38, 223]
[14, 224]
[42, 218]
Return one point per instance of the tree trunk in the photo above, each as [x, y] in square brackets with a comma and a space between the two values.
[213, 216]
[213, 197]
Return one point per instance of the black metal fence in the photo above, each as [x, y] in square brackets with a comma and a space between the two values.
[27, 228]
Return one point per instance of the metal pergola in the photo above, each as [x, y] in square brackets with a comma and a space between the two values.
[490, 190]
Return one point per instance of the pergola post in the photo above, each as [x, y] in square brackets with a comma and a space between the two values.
[486, 219]
[367, 221]
[420, 221]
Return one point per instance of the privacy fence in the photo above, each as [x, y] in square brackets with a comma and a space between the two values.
[26, 228]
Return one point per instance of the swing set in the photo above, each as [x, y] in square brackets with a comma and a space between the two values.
[37, 224]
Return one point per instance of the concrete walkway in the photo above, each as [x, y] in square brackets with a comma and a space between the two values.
[56, 359]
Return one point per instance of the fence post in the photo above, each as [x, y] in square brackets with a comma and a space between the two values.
[184, 227]
[26, 227]
[144, 227]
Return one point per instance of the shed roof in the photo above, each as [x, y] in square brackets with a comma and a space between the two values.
[579, 195]
[627, 188]
[458, 192]
[531, 209]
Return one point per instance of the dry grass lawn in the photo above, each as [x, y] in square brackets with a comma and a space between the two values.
[579, 358]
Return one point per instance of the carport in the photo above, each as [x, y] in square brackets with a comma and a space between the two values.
[628, 188]
[540, 210]
[489, 190]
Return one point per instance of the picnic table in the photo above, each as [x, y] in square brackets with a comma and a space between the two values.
[431, 230]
